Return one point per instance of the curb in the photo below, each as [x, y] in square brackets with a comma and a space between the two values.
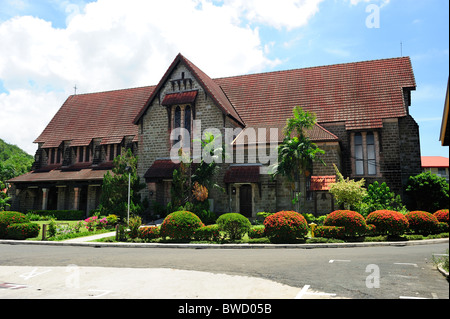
[228, 246]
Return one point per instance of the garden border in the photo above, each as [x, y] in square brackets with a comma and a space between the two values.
[229, 246]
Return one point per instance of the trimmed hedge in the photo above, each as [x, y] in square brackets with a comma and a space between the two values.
[329, 232]
[353, 222]
[23, 231]
[285, 227]
[9, 218]
[422, 222]
[207, 233]
[149, 233]
[256, 232]
[388, 222]
[234, 225]
[442, 216]
[69, 215]
[180, 225]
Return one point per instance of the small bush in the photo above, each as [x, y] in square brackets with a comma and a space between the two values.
[180, 225]
[256, 232]
[9, 218]
[442, 215]
[388, 222]
[149, 233]
[353, 222]
[23, 231]
[422, 222]
[234, 225]
[62, 214]
[329, 232]
[207, 233]
[285, 227]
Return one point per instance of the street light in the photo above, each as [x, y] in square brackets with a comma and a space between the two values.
[128, 169]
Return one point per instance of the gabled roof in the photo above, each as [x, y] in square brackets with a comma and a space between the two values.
[97, 115]
[212, 89]
[360, 94]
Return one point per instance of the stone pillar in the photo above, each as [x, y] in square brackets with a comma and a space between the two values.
[76, 201]
[44, 198]
[61, 197]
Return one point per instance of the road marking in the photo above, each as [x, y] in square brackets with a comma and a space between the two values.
[337, 260]
[406, 297]
[102, 293]
[302, 292]
[33, 273]
[6, 285]
[407, 264]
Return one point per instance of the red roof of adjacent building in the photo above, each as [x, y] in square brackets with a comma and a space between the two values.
[358, 94]
[435, 161]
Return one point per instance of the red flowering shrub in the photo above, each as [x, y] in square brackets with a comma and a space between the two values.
[148, 233]
[180, 225]
[442, 215]
[285, 227]
[23, 231]
[256, 232]
[353, 222]
[9, 218]
[388, 222]
[422, 222]
[329, 232]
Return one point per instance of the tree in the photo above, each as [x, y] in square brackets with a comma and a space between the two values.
[114, 198]
[349, 193]
[380, 197]
[297, 152]
[429, 191]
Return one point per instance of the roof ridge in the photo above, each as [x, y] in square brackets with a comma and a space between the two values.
[114, 90]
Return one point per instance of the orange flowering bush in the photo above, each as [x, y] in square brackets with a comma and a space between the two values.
[148, 233]
[329, 232]
[353, 222]
[388, 222]
[9, 218]
[422, 222]
[285, 227]
[200, 192]
[180, 225]
[442, 215]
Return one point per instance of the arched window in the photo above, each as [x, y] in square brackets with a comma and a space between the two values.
[177, 122]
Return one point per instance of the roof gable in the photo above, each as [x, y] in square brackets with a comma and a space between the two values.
[211, 88]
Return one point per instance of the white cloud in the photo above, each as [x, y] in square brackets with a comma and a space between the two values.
[115, 44]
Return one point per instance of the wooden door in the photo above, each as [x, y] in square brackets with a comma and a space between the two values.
[245, 200]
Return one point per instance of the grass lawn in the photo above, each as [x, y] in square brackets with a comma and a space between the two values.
[83, 231]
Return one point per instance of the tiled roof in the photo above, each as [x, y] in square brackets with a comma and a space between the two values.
[97, 115]
[359, 93]
[322, 183]
[180, 98]
[160, 170]
[60, 175]
[242, 174]
[435, 161]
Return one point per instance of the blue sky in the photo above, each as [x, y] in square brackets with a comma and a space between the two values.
[48, 46]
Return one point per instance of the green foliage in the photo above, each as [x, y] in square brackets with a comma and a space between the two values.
[4, 198]
[380, 197]
[134, 223]
[429, 191]
[329, 232]
[234, 225]
[60, 214]
[207, 233]
[349, 193]
[353, 222]
[114, 199]
[149, 233]
[180, 225]
[13, 161]
[257, 232]
[285, 227]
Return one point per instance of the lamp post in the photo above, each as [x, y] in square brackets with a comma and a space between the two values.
[128, 169]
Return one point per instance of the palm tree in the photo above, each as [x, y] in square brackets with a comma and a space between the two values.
[297, 152]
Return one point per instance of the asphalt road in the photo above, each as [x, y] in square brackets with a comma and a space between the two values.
[356, 273]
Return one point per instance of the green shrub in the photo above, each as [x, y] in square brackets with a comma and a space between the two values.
[256, 232]
[149, 233]
[207, 233]
[23, 231]
[9, 218]
[234, 225]
[134, 223]
[71, 215]
[422, 222]
[442, 215]
[329, 232]
[208, 217]
[429, 191]
[388, 222]
[180, 225]
[285, 227]
[353, 222]
[380, 197]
